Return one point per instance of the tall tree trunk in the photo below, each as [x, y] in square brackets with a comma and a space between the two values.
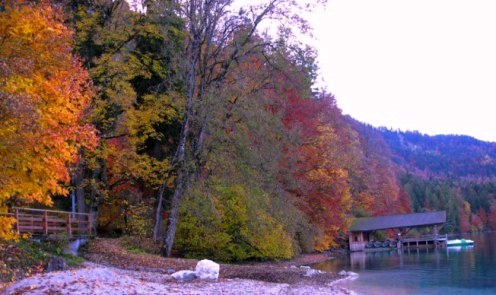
[96, 196]
[79, 190]
[180, 157]
[181, 181]
[157, 229]
[173, 220]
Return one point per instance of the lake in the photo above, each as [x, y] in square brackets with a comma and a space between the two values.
[452, 270]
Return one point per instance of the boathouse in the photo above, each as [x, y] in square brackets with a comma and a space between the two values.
[361, 229]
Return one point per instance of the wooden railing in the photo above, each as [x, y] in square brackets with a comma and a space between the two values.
[46, 222]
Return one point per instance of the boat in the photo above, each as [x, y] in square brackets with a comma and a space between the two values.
[458, 242]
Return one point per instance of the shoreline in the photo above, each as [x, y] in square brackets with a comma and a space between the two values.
[100, 279]
[110, 268]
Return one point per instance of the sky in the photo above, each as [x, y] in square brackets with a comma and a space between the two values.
[425, 65]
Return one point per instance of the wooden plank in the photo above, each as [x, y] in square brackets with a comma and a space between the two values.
[50, 220]
[57, 228]
[25, 229]
[31, 218]
[46, 210]
[32, 227]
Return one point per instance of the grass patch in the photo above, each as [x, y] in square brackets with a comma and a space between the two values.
[26, 257]
[140, 245]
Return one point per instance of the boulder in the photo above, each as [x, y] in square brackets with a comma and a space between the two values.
[348, 273]
[207, 270]
[312, 272]
[56, 264]
[184, 275]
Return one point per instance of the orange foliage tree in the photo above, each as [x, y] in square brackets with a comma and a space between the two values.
[325, 155]
[43, 94]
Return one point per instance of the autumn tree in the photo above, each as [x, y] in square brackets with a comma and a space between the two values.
[133, 59]
[213, 46]
[44, 93]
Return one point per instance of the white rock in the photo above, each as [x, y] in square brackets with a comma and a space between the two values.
[207, 270]
[347, 273]
[311, 272]
[184, 275]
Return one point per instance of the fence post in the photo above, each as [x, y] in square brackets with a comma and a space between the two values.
[17, 229]
[90, 224]
[69, 225]
[45, 222]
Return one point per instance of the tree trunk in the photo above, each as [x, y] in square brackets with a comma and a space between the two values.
[182, 179]
[157, 229]
[180, 157]
[79, 190]
[173, 220]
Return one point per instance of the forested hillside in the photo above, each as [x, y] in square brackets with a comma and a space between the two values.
[444, 172]
[442, 155]
[182, 121]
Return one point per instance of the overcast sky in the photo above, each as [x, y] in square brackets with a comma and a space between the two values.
[426, 65]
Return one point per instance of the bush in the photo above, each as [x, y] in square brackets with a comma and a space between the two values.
[229, 223]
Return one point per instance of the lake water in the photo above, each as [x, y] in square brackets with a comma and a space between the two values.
[453, 270]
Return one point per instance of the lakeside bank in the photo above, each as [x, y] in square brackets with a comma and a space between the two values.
[111, 269]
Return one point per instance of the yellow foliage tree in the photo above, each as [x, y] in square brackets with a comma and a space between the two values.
[44, 92]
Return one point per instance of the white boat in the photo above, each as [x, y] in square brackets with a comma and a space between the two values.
[460, 242]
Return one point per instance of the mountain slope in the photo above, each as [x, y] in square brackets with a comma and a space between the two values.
[444, 172]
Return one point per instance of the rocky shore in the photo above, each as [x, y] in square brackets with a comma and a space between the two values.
[98, 279]
[110, 269]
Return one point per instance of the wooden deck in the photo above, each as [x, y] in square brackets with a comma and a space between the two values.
[47, 222]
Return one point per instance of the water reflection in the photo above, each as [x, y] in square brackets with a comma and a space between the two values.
[460, 249]
[460, 270]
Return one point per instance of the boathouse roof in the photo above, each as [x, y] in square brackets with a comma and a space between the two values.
[398, 221]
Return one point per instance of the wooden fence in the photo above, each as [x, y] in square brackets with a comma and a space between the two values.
[46, 222]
